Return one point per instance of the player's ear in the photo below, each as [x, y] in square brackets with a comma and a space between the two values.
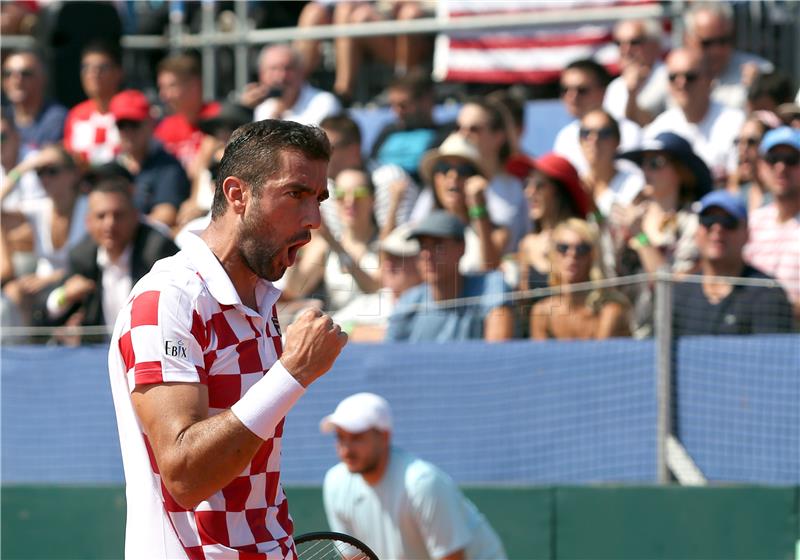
[237, 193]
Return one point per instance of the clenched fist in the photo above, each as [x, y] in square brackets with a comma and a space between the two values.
[313, 343]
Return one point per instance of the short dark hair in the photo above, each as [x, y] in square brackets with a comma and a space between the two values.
[345, 126]
[592, 67]
[254, 152]
[114, 185]
[417, 82]
[774, 85]
[104, 47]
[183, 65]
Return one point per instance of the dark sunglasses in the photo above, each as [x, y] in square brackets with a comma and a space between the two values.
[472, 129]
[787, 159]
[690, 77]
[580, 250]
[748, 141]
[726, 221]
[128, 125]
[635, 42]
[24, 73]
[462, 169]
[49, 171]
[579, 90]
[603, 133]
[715, 41]
[656, 162]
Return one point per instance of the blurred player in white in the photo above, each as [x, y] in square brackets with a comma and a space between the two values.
[200, 382]
[399, 505]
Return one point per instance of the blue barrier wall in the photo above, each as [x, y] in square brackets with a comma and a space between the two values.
[556, 412]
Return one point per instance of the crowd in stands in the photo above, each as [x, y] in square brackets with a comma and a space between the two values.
[688, 162]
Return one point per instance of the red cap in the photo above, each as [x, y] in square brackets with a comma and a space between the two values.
[130, 105]
[555, 167]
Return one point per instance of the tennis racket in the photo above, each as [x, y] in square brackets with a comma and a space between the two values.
[328, 545]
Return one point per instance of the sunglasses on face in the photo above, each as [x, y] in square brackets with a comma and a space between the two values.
[689, 77]
[357, 193]
[128, 125]
[787, 159]
[750, 142]
[655, 163]
[580, 250]
[461, 169]
[635, 42]
[49, 171]
[715, 41]
[472, 129]
[726, 221]
[603, 133]
[579, 90]
[22, 73]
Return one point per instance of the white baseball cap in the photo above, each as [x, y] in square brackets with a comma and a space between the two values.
[358, 413]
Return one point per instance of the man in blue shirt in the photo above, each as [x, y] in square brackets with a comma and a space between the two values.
[448, 305]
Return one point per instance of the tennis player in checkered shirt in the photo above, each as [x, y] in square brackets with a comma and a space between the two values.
[200, 382]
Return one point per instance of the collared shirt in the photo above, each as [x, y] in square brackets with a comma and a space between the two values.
[117, 281]
[184, 322]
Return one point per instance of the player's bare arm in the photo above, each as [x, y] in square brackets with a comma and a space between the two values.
[198, 455]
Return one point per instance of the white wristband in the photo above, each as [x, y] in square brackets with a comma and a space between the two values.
[268, 401]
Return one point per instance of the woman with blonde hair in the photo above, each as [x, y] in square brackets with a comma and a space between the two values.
[586, 313]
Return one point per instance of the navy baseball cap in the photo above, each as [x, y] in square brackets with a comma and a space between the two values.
[439, 224]
[731, 204]
[782, 136]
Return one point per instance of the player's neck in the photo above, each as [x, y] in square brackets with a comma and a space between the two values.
[224, 248]
[375, 475]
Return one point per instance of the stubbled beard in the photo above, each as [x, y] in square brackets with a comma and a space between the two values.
[259, 250]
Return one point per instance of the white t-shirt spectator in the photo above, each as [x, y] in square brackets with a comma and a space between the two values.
[712, 138]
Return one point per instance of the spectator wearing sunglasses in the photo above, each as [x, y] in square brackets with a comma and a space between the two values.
[39, 120]
[709, 126]
[608, 182]
[774, 244]
[56, 221]
[745, 182]
[160, 183]
[578, 313]
[554, 193]
[583, 87]
[718, 305]
[493, 193]
[457, 185]
[709, 33]
[658, 230]
[639, 93]
[347, 262]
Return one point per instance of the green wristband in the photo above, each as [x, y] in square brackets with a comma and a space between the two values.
[13, 175]
[642, 239]
[477, 212]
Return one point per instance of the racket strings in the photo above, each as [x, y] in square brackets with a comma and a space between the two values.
[327, 549]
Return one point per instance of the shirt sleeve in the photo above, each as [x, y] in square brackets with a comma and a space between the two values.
[439, 510]
[165, 339]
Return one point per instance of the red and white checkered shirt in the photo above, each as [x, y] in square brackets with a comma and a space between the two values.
[91, 134]
[774, 248]
[184, 322]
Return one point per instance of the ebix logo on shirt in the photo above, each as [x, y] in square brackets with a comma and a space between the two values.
[175, 349]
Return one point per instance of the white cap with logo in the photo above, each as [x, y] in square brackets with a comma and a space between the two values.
[359, 413]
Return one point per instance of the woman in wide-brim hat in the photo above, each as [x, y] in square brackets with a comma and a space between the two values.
[658, 230]
[452, 171]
